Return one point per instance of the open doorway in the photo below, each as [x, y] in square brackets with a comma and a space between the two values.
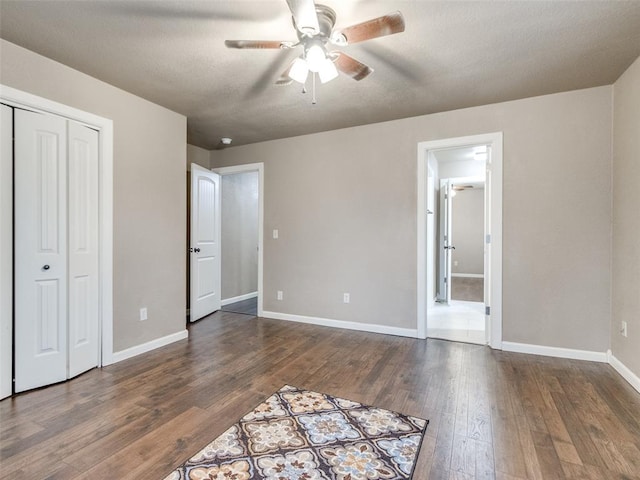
[459, 239]
[241, 244]
[459, 310]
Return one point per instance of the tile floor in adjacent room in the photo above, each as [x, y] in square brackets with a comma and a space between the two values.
[460, 322]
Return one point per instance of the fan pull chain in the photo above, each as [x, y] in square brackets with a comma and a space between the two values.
[313, 86]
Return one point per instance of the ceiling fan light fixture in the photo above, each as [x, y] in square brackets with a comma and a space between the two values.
[299, 70]
[328, 71]
[315, 57]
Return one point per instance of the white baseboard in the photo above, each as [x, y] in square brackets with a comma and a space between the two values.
[555, 352]
[239, 298]
[624, 371]
[468, 275]
[328, 322]
[147, 347]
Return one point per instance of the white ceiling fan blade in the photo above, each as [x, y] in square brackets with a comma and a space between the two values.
[304, 16]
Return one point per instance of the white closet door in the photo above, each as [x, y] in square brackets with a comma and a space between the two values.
[83, 248]
[40, 250]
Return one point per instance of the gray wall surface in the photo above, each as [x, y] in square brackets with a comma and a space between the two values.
[344, 202]
[468, 231]
[239, 234]
[149, 193]
[626, 218]
[197, 155]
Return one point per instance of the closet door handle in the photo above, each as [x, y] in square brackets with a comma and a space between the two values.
[46, 267]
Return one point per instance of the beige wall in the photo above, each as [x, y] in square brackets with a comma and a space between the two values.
[468, 231]
[149, 191]
[345, 205]
[239, 234]
[626, 218]
[197, 155]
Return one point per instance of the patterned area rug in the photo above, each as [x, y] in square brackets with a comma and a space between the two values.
[302, 435]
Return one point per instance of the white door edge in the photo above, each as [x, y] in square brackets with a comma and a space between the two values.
[253, 167]
[104, 126]
[494, 140]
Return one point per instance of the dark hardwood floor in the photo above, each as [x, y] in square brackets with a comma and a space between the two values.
[493, 415]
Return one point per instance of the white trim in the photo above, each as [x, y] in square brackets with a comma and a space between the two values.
[468, 275]
[495, 141]
[555, 352]
[22, 99]
[253, 167]
[239, 298]
[328, 322]
[624, 371]
[148, 346]
[6, 254]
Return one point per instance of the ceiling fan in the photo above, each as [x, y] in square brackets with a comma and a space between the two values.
[314, 28]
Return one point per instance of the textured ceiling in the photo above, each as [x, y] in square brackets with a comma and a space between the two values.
[452, 55]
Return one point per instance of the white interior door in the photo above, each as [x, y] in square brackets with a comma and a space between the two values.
[446, 245]
[83, 248]
[40, 253]
[206, 281]
[6, 250]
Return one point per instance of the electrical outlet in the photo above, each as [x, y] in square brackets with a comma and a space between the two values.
[279, 295]
[143, 313]
[346, 298]
[623, 328]
[275, 233]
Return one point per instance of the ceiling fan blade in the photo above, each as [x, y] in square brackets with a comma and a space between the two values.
[304, 16]
[257, 44]
[377, 27]
[352, 67]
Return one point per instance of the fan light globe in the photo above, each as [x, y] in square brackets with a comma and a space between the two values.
[299, 70]
[328, 71]
[315, 58]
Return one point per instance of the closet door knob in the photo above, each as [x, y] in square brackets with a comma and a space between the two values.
[46, 267]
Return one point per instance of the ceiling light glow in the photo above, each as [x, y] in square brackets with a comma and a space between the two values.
[315, 58]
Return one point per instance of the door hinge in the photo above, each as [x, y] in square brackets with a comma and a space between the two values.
[488, 238]
[445, 279]
[487, 310]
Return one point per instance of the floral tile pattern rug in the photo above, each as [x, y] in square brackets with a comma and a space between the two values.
[302, 435]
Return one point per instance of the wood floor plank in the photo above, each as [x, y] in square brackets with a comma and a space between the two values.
[493, 415]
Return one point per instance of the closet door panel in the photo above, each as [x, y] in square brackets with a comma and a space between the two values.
[40, 250]
[83, 249]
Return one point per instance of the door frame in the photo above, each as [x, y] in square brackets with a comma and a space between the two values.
[494, 223]
[252, 167]
[20, 99]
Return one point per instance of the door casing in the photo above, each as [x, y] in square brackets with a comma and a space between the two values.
[253, 167]
[493, 219]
